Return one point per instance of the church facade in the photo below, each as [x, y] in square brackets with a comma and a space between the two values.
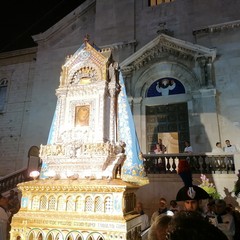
[179, 61]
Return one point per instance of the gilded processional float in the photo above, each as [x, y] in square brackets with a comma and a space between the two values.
[91, 165]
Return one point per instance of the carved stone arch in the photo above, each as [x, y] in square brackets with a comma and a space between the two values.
[75, 235]
[166, 69]
[91, 71]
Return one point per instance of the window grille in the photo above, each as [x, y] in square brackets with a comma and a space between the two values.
[43, 203]
[35, 203]
[108, 205]
[61, 204]
[52, 203]
[98, 204]
[89, 204]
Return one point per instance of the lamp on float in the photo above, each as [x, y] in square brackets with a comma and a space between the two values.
[34, 174]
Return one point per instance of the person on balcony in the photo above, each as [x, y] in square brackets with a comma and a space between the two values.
[230, 148]
[158, 150]
[188, 148]
[218, 148]
[160, 147]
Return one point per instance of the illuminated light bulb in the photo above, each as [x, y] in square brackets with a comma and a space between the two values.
[34, 174]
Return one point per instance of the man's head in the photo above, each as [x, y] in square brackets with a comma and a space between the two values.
[220, 206]
[191, 205]
[159, 227]
[173, 203]
[139, 207]
[228, 142]
[162, 203]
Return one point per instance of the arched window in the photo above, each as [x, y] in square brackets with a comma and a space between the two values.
[98, 204]
[165, 87]
[43, 202]
[108, 205]
[89, 204]
[52, 203]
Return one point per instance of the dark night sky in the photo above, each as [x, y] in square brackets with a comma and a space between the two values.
[20, 19]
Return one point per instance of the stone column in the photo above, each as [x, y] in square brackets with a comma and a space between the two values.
[209, 69]
[113, 88]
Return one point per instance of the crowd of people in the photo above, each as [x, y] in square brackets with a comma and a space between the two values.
[225, 220]
[199, 218]
[9, 205]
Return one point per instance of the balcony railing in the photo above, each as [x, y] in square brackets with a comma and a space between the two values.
[10, 181]
[199, 163]
[153, 164]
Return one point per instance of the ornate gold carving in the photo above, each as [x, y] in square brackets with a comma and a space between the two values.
[84, 75]
[79, 149]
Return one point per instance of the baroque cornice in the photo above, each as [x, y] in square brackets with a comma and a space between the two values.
[166, 44]
[71, 218]
[119, 45]
[65, 23]
[50, 185]
[217, 27]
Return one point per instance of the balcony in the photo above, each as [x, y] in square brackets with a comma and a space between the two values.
[206, 163]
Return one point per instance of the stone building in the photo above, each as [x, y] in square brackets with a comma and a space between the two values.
[189, 48]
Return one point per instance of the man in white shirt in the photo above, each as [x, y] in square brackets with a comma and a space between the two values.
[230, 148]
[188, 148]
[144, 217]
[218, 148]
[163, 209]
[223, 220]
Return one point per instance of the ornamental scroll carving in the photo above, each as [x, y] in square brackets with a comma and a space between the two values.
[77, 149]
